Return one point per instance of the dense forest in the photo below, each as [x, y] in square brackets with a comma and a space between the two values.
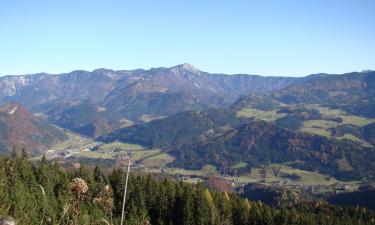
[260, 143]
[46, 193]
[220, 138]
[179, 129]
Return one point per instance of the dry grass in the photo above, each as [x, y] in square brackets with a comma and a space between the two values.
[344, 165]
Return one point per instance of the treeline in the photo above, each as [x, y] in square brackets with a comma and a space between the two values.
[46, 193]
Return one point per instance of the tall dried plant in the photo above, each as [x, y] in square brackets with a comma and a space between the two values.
[44, 203]
[79, 188]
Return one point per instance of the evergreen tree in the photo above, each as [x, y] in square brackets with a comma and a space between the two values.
[88, 196]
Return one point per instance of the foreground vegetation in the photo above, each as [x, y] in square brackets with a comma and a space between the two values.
[48, 194]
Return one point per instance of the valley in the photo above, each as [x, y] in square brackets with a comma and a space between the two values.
[154, 161]
[187, 112]
[259, 134]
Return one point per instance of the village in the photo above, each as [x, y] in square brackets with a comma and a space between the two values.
[120, 154]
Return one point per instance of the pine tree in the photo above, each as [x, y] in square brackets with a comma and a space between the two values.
[188, 207]
[23, 187]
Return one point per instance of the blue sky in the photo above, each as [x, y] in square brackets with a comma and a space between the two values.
[267, 37]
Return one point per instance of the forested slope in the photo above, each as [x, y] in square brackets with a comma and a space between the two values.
[48, 194]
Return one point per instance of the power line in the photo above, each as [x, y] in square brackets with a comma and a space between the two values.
[125, 190]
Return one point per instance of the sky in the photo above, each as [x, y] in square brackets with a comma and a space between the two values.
[265, 37]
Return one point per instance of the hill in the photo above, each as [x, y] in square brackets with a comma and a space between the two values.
[334, 106]
[219, 138]
[260, 143]
[178, 129]
[83, 118]
[21, 129]
[351, 92]
[95, 129]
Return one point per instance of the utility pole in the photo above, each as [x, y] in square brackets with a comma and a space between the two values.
[125, 189]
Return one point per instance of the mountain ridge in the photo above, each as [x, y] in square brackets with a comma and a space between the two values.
[131, 94]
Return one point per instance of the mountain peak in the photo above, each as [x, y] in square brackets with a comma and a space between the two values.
[187, 67]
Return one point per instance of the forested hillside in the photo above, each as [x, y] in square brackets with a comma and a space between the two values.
[219, 138]
[20, 128]
[48, 194]
[351, 92]
[177, 130]
[260, 143]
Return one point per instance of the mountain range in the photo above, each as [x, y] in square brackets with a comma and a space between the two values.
[321, 122]
[129, 95]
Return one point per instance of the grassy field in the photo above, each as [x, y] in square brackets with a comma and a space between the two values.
[319, 127]
[93, 155]
[269, 174]
[159, 160]
[239, 165]
[355, 139]
[134, 154]
[316, 130]
[270, 115]
[193, 180]
[121, 145]
[151, 158]
[73, 140]
[356, 120]
[347, 119]
[278, 172]
[205, 171]
[137, 155]
[325, 110]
